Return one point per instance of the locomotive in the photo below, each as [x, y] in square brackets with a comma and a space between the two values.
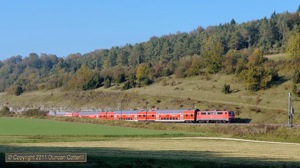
[190, 115]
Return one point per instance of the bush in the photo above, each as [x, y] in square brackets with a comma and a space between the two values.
[19, 91]
[107, 82]
[296, 91]
[146, 82]
[226, 89]
[34, 113]
[4, 112]
[126, 86]
[296, 76]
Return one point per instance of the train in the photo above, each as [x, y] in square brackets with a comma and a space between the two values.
[189, 115]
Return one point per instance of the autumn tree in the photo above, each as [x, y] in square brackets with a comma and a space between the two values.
[256, 75]
[196, 66]
[84, 79]
[293, 46]
[144, 74]
[213, 54]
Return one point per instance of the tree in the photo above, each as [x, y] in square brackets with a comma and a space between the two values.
[107, 82]
[293, 46]
[144, 74]
[19, 91]
[84, 79]
[213, 54]
[195, 68]
[256, 75]
[266, 35]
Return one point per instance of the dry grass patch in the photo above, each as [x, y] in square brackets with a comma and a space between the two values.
[192, 148]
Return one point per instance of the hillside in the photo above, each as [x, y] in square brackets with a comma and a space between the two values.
[265, 106]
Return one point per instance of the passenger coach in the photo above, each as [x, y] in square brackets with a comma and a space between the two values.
[194, 115]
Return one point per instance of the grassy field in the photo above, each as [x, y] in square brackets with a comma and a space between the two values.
[41, 130]
[175, 145]
[167, 152]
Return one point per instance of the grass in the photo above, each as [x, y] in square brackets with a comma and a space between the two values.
[277, 57]
[82, 129]
[167, 152]
[42, 127]
[148, 144]
[206, 94]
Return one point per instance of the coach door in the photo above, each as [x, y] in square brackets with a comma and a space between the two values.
[135, 117]
[181, 116]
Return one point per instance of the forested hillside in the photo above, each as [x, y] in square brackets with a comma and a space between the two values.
[229, 48]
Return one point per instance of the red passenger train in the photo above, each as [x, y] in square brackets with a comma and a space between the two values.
[162, 115]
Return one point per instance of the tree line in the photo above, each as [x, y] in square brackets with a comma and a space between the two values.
[229, 48]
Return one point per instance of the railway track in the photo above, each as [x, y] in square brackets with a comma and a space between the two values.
[241, 124]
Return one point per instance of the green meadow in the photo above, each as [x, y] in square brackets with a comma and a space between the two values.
[139, 144]
[28, 126]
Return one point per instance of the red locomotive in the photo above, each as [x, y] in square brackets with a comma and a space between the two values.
[162, 115]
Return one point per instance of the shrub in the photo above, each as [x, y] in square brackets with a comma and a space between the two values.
[296, 91]
[126, 86]
[34, 113]
[226, 89]
[107, 82]
[296, 76]
[4, 112]
[19, 91]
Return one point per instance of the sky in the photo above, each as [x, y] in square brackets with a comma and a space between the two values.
[63, 27]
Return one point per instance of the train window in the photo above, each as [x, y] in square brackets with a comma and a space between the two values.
[104, 116]
[203, 113]
[139, 115]
[111, 116]
[164, 118]
[100, 116]
[144, 115]
[192, 115]
[220, 113]
[225, 112]
[152, 115]
[186, 115]
[176, 118]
